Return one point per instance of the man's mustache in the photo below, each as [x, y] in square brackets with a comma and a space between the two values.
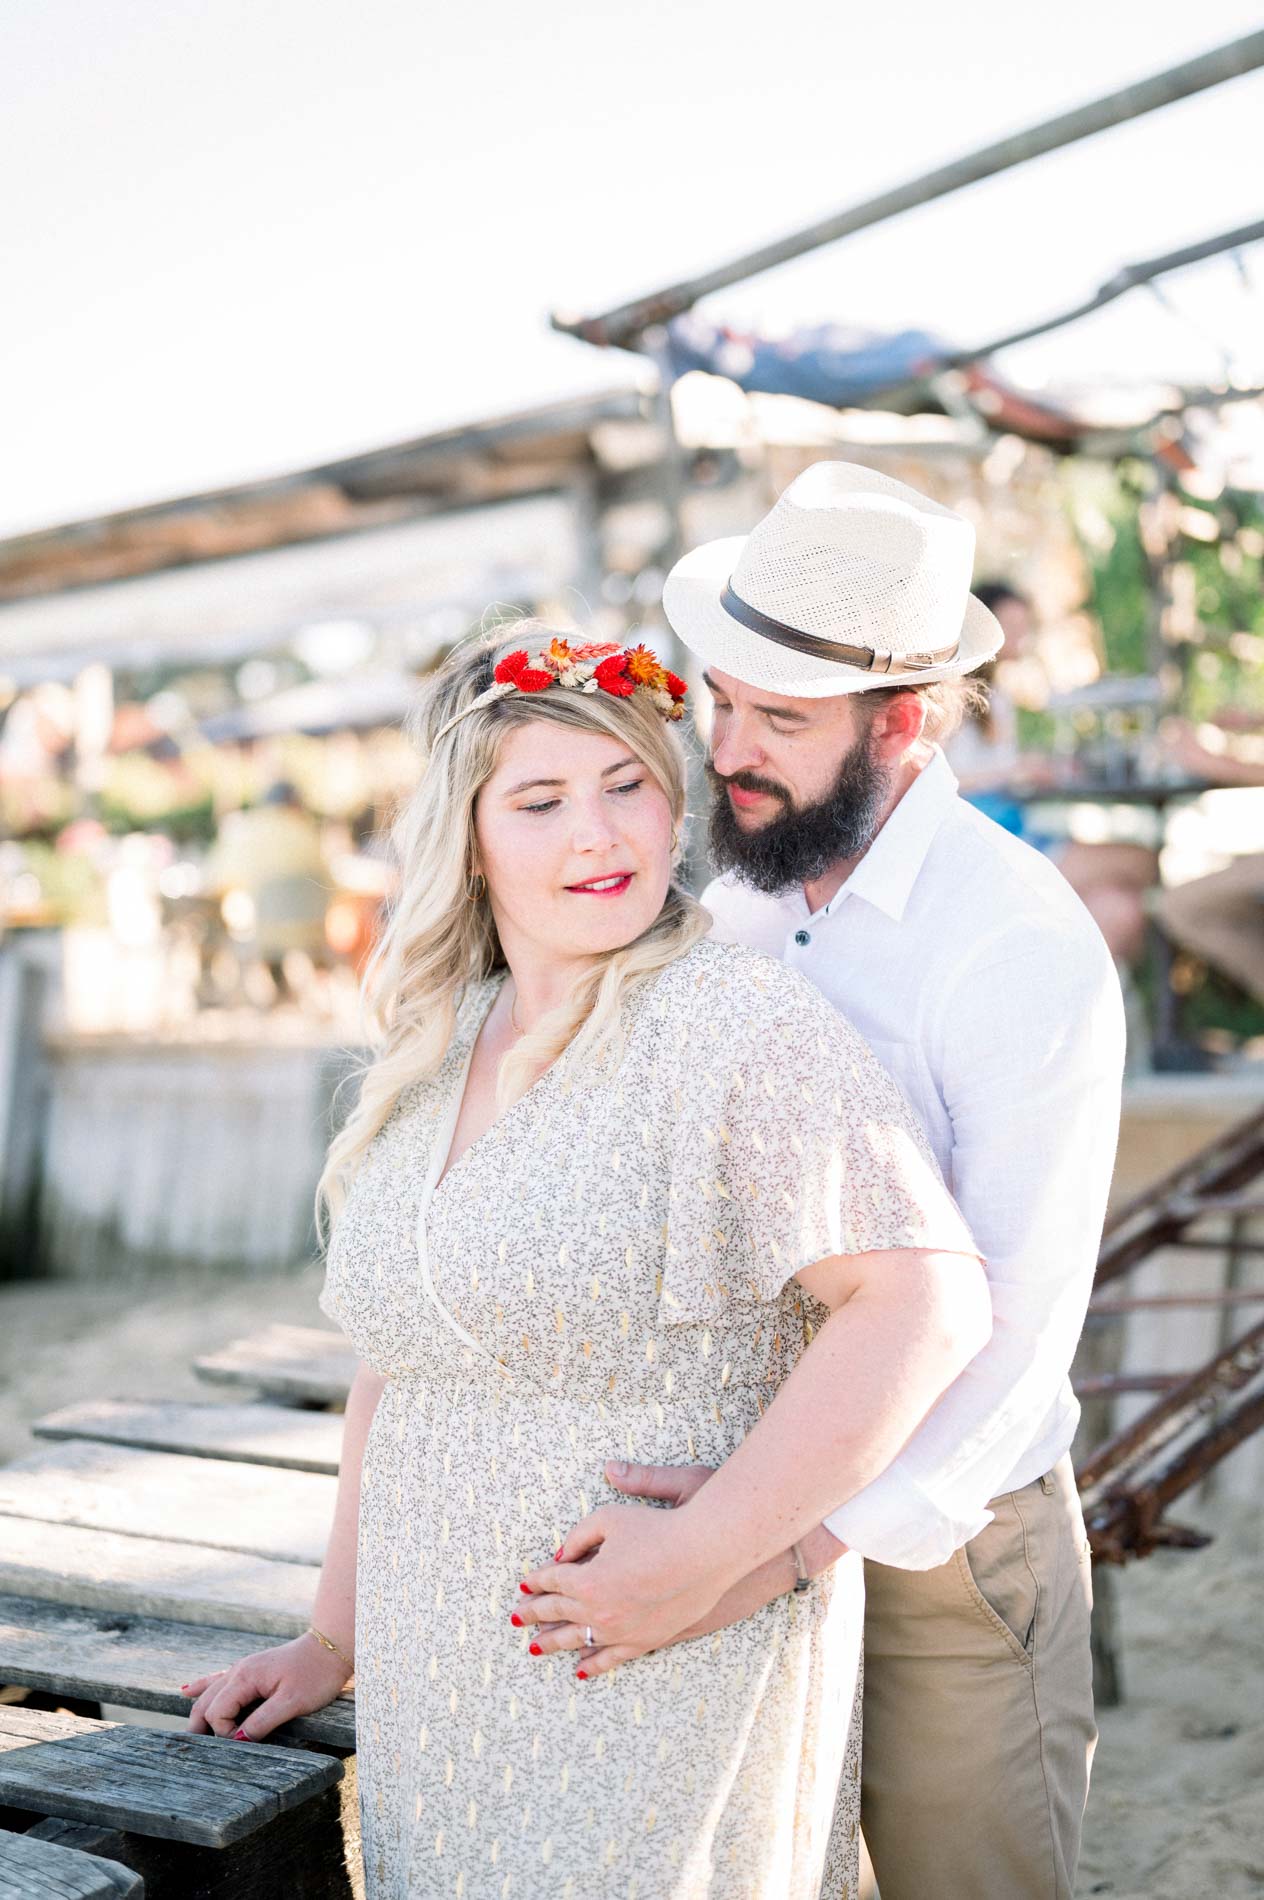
[747, 782]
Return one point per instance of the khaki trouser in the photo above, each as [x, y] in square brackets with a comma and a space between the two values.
[978, 1708]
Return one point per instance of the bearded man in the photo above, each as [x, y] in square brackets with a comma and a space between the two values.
[838, 639]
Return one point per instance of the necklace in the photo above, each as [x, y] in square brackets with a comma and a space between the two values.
[514, 1024]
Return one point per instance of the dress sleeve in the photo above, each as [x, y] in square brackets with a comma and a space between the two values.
[793, 1144]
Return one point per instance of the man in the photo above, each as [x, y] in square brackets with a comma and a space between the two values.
[836, 638]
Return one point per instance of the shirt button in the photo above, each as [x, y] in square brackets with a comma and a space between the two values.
[802, 938]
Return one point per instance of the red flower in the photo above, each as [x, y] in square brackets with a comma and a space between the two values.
[676, 686]
[516, 670]
[612, 677]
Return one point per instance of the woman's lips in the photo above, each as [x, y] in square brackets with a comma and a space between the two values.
[602, 886]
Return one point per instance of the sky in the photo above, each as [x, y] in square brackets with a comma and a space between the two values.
[241, 237]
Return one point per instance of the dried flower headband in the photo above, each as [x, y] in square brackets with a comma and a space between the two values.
[601, 668]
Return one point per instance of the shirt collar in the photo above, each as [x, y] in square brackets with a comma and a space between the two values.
[890, 867]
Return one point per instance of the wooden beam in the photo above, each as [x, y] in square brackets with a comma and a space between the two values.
[145, 1576]
[206, 1789]
[213, 1504]
[250, 1433]
[40, 1870]
[624, 326]
[139, 1662]
[304, 1364]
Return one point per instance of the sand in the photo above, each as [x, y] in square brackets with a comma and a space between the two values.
[1177, 1807]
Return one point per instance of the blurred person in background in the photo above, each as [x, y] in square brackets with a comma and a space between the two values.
[268, 869]
[1220, 918]
[993, 772]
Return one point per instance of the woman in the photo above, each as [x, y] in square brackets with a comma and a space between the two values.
[604, 1184]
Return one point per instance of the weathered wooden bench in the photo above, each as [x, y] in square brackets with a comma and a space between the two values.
[142, 1545]
[32, 1869]
[139, 1662]
[188, 1813]
[302, 1365]
[254, 1432]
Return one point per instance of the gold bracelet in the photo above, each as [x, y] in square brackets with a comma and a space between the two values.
[341, 1654]
[802, 1580]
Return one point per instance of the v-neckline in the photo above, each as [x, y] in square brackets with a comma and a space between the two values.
[445, 1166]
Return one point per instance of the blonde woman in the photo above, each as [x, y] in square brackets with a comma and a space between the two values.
[610, 1191]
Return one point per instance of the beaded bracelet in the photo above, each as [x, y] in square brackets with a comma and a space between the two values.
[341, 1654]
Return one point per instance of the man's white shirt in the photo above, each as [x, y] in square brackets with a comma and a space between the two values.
[984, 987]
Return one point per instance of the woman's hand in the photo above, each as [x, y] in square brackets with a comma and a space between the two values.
[292, 1679]
[675, 1485]
[634, 1577]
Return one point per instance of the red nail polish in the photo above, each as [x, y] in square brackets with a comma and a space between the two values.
[240, 1735]
[557, 1554]
[581, 1675]
[525, 1589]
[533, 1649]
[516, 1620]
[184, 1688]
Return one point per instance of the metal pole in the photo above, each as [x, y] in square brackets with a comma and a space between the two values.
[624, 325]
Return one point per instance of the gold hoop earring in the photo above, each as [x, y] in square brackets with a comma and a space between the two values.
[475, 887]
[675, 840]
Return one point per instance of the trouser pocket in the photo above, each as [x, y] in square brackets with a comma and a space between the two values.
[997, 1574]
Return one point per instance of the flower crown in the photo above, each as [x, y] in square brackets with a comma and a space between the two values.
[604, 667]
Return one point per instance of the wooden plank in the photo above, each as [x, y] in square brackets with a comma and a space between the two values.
[309, 1853]
[146, 1576]
[207, 1789]
[299, 1363]
[252, 1508]
[21, 1727]
[139, 1662]
[40, 1870]
[252, 1432]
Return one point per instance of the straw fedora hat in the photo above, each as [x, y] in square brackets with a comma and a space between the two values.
[852, 581]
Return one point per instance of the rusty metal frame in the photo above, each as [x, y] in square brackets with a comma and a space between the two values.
[1127, 1483]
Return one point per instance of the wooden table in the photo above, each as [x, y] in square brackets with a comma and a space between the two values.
[143, 1544]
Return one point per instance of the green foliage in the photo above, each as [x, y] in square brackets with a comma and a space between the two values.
[69, 883]
[1219, 572]
[143, 794]
[1120, 579]
[1228, 585]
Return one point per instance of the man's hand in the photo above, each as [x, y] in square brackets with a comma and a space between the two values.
[664, 1484]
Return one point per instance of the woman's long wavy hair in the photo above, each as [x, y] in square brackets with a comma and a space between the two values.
[440, 938]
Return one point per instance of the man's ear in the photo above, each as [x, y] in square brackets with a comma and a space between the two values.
[897, 725]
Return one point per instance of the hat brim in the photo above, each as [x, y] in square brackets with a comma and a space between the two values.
[691, 602]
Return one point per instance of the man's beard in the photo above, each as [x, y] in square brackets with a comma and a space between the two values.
[799, 845]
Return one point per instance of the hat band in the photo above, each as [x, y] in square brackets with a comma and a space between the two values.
[835, 650]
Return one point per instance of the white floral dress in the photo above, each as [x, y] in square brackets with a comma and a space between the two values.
[607, 1273]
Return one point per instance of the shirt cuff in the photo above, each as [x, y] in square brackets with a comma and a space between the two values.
[894, 1521]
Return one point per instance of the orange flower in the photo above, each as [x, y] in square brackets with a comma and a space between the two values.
[644, 667]
[558, 654]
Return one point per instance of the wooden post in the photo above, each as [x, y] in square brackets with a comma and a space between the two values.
[625, 325]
